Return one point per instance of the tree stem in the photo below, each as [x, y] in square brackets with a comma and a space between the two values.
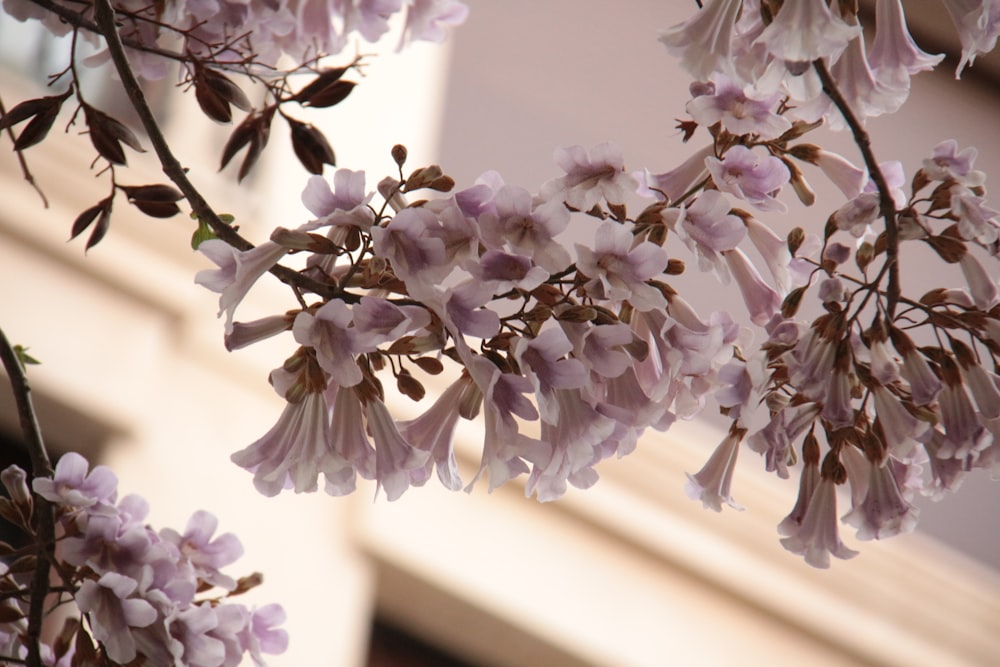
[887, 207]
[43, 521]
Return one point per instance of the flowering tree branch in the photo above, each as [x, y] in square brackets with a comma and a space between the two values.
[887, 207]
[43, 522]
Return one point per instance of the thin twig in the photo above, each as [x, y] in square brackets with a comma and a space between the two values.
[25, 171]
[105, 16]
[44, 523]
[887, 207]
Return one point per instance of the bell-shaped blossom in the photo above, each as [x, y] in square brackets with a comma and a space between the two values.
[574, 442]
[544, 361]
[398, 464]
[345, 204]
[627, 404]
[761, 300]
[856, 215]
[976, 221]
[894, 56]
[466, 312]
[808, 481]
[785, 426]
[900, 428]
[947, 162]
[745, 174]
[741, 111]
[817, 537]
[262, 634]
[982, 384]
[378, 321]
[434, 431]
[238, 271]
[73, 484]
[838, 408]
[703, 42]
[711, 485]
[618, 268]
[113, 612]
[708, 228]
[527, 227]
[244, 334]
[774, 251]
[884, 511]
[807, 30]
[982, 286]
[409, 242]
[429, 20]
[295, 451]
[207, 555]
[947, 472]
[964, 432]
[506, 271]
[348, 440]
[330, 334]
[848, 178]
[677, 182]
[590, 177]
[978, 23]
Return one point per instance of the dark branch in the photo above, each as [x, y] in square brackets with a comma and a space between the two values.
[44, 524]
[887, 207]
[105, 17]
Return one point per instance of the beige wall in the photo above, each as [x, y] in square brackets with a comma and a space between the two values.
[629, 573]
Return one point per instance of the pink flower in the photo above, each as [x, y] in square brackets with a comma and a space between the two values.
[711, 484]
[978, 23]
[434, 431]
[262, 634]
[398, 464]
[429, 20]
[761, 300]
[807, 30]
[741, 111]
[590, 177]
[808, 482]
[618, 268]
[73, 486]
[894, 55]
[750, 176]
[703, 42]
[330, 334]
[676, 183]
[542, 361]
[237, 273]
[947, 162]
[295, 451]
[113, 612]
[817, 537]
[884, 512]
[982, 286]
[575, 447]
[345, 204]
[205, 554]
[708, 227]
[528, 227]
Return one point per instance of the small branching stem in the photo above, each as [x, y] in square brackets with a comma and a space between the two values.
[44, 523]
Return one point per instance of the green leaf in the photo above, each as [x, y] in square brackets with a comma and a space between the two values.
[24, 358]
[203, 233]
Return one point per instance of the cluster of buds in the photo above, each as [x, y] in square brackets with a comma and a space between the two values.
[142, 594]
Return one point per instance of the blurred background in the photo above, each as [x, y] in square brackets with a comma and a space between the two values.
[628, 573]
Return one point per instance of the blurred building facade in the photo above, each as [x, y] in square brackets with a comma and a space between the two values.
[629, 573]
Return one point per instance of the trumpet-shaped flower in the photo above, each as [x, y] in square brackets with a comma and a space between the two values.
[817, 537]
[618, 268]
[711, 485]
[805, 31]
[747, 175]
[703, 42]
